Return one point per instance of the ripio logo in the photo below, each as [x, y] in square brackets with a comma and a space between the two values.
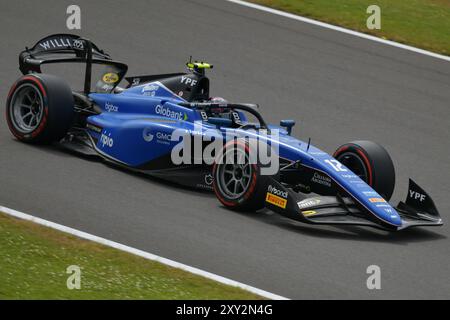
[106, 140]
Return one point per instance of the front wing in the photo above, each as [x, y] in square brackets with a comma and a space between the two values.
[342, 210]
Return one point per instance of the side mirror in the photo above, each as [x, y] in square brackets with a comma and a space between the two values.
[288, 124]
[221, 122]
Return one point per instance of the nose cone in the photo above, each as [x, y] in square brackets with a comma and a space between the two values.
[394, 218]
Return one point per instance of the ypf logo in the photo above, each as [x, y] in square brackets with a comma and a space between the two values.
[416, 195]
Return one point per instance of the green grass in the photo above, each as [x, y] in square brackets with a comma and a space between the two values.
[34, 259]
[420, 23]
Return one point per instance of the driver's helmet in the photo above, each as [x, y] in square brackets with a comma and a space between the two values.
[219, 112]
[217, 100]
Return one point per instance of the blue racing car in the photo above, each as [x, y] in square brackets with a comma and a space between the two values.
[168, 126]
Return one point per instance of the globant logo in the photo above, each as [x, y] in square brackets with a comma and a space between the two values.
[167, 112]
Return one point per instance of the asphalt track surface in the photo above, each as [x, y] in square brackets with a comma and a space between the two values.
[336, 86]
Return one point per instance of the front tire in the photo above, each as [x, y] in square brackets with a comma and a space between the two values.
[239, 186]
[39, 108]
[371, 162]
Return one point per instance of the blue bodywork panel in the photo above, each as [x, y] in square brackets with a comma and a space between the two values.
[136, 127]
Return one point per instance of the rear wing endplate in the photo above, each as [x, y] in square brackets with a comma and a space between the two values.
[60, 48]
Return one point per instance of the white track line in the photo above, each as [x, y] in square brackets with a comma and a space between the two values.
[140, 253]
[340, 29]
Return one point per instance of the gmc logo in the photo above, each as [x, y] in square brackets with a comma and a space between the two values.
[416, 195]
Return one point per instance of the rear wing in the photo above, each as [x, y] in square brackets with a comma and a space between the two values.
[60, 48]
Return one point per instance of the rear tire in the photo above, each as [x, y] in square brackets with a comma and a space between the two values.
[239, 187]
[371, 162]
[39, 108]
